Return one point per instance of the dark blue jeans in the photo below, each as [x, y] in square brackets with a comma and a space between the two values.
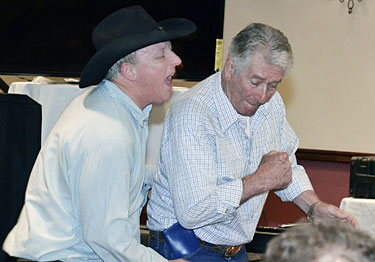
[203, 254]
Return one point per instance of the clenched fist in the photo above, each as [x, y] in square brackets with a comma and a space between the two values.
[274, 172]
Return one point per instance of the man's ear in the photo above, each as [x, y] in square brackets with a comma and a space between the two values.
[128, 71]
[229, 68]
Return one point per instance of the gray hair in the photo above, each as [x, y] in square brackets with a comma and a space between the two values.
[330, 240]
[115, 70]
[264, 39]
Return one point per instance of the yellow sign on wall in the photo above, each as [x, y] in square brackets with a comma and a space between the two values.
[218, 55]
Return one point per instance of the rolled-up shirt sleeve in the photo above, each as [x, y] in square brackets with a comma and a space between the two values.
[189, 157]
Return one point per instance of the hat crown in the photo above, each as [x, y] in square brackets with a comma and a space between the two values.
[124, 22]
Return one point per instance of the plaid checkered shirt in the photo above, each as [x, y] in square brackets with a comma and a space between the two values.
[206, 148]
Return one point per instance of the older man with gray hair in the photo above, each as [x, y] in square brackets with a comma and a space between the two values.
[227, 143]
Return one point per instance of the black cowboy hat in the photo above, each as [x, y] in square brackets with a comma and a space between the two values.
[124, 32]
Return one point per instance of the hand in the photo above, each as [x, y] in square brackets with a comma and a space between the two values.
[178, 260]
[275, 170]
[323, 210]
[273, 156]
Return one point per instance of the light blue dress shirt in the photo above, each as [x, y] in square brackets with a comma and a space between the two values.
[206, 148]
[88, 185]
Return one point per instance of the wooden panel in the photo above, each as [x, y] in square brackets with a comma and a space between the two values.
[326, 155]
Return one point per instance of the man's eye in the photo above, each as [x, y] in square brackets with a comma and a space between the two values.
[254, 83]
[160, 55]
[272, 86]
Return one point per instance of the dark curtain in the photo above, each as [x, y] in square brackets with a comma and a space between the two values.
[20, 138]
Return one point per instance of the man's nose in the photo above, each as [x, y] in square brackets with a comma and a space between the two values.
[263, 94]
[176, 60]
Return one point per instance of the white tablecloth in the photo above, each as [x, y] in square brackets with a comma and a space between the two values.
[363, 210]
[55, 97]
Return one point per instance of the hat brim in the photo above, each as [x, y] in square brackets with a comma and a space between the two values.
[99, 64]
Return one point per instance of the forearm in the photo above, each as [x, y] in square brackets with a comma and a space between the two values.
[306, 199]
[252, 185]
[273, 172]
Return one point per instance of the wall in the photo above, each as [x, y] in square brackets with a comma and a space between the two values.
[329, 93]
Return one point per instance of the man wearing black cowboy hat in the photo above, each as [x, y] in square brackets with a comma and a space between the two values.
[89, 182]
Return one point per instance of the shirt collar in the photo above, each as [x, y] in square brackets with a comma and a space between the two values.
[141, 116]
[227, 115]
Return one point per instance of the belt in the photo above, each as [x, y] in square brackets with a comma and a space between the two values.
[227, 251]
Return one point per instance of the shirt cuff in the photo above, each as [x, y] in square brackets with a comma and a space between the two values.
[229, 196]
[300, 184]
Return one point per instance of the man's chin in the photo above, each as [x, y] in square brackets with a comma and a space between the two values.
[164, 98]
[248, 111]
